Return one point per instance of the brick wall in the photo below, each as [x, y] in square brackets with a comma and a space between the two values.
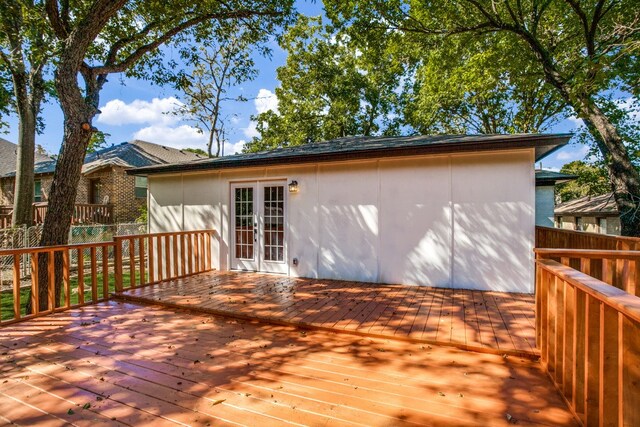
[126, 205]
[114, 182]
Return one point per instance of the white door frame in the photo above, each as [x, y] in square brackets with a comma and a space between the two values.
[258, 262]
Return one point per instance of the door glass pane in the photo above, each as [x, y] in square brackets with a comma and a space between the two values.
[244, 229]
[274, 223]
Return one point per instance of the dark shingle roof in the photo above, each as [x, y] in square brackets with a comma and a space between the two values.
[351, 148]
[128, 154]
[8, 153]
[604, 204]
[546, 177]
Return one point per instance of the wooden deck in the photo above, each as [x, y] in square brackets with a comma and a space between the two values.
[128, 364]
[493, 322]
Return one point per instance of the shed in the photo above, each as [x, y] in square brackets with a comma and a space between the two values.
[447, 211]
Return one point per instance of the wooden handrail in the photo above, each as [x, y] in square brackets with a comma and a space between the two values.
[588, 334]
[40, 249]
[586, 253]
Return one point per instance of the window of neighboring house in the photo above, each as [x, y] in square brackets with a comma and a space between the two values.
[602, 225]
[579, 223]
[141, 187]
[37, 190]
[94, 191]
[559, 222]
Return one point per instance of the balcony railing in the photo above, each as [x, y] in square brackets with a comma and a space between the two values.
[83, 213]
[88, 273]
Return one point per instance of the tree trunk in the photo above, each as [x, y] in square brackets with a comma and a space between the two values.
[625, 179]
[62, 198]
[23, 192]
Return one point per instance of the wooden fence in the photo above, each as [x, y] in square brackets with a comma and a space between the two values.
[547, 237]
[588, 333]
[90, 272]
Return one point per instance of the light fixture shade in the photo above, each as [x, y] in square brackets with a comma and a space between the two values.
[293, 186]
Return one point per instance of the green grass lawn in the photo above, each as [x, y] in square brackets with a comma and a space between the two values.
[6, 297]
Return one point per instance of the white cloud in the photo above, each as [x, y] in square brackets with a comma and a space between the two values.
[155, 112]
[251, 130]
[575, 121]
[265, 101]
[571, 155]
[183, 136]
[233, 148]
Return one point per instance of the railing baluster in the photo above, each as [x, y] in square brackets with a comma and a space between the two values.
[608, 369]
[117, 263]
[141, 260]
[35, 288]
[152, 267]
[66, 267]
[51, 279]
[80, 276]
[167, 256]
[189, 254]
[16, 287]
[176, 272]
[105, 272]
[94, 275]
[132, 263]
[159, 258]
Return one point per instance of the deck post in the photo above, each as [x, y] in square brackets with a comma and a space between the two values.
[117, 263]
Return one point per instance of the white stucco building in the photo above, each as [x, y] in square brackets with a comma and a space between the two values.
[448, 211]
[546, 181]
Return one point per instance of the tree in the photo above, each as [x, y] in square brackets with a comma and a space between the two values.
[591, 180]
[487, 94]
[583, 50]
[216, 67]
[25, 52]
[102, 37]
[329, 89]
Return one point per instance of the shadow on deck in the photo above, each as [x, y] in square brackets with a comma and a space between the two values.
[130, 364]
[490, 322]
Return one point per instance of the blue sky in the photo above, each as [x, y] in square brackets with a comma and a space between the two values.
[137, 109]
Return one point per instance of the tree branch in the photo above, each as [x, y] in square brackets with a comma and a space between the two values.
[142, 50]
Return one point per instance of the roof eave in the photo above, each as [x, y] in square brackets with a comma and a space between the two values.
[543, 145]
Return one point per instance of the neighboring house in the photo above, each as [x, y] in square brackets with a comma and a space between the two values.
[595, 214]
[8, 157]
[447, 211]
[546, 194]
[103, 177]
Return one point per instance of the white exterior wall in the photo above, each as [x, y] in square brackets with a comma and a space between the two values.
[545, 204]
[463, 221]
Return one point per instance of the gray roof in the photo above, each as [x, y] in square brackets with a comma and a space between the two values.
[604, 204]
[8, 157]
[547, 177]
[131, 154]
[361, 147]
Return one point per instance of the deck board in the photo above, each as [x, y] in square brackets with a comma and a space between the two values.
[151, 365]
[483, 321]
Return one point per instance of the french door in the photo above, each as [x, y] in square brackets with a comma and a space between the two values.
[258, 226]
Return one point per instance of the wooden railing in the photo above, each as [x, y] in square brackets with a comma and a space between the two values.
[161, 257]
[588, 333]
[6, 220]
[616, 268]
[83, 213]
[88, 273]
[547, 237]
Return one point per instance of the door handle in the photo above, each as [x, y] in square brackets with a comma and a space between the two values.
[255, 234]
